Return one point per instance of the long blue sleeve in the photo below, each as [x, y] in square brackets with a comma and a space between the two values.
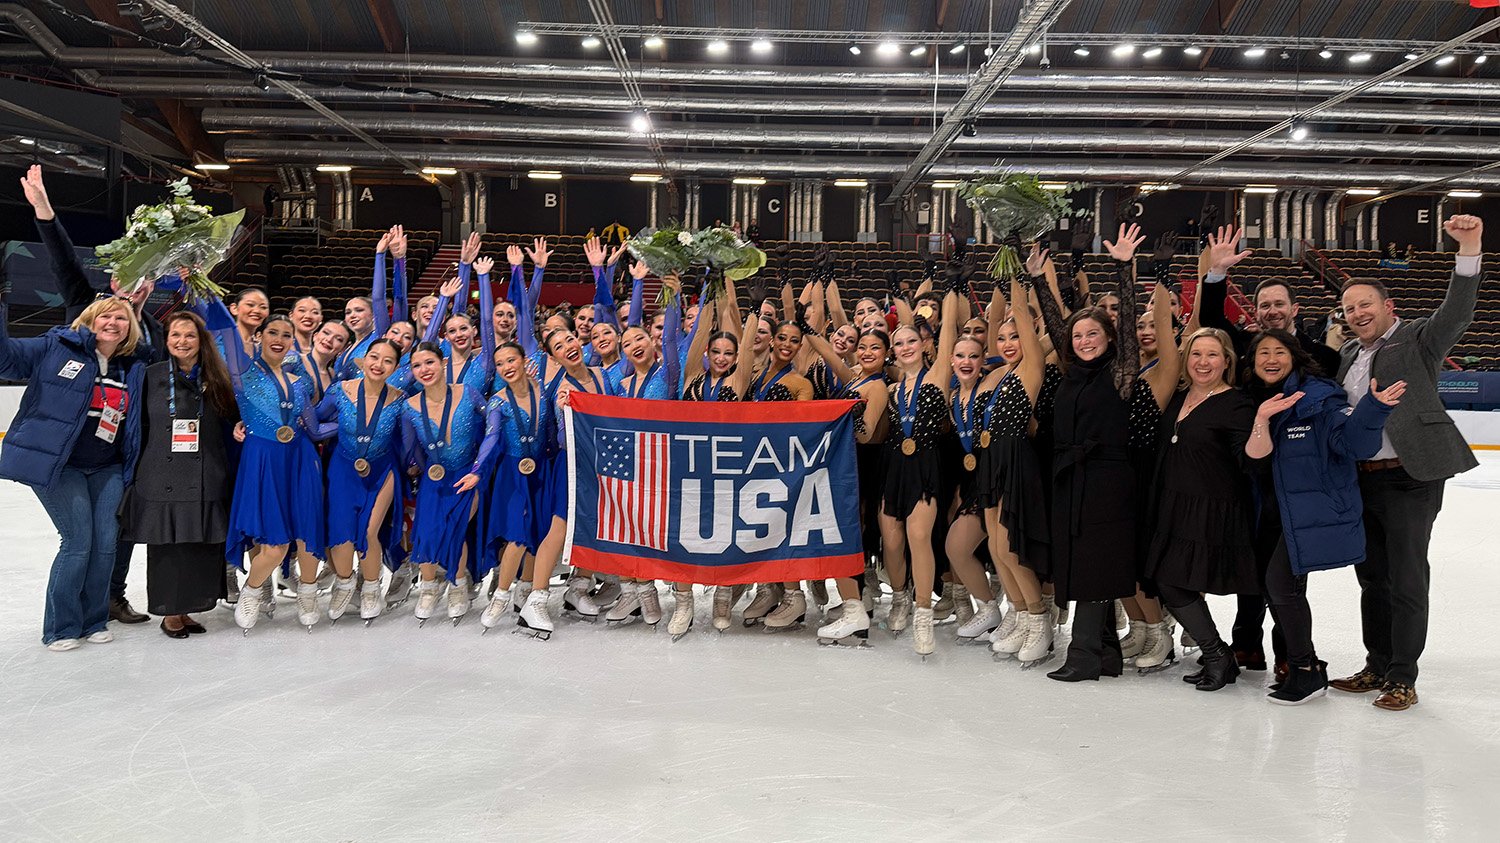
[516, 292]
[461, 304]
[400, 311]
[604, 296]
[325, 423]
[378, 304]
[435, 327]
[637, 302]
[670, 335]
[534, 292]
[492, 437]
[487, 324]
[525, 320]
[411, 449]
[686, 343]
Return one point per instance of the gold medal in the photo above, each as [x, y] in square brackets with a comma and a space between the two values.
[362, 467]
[285, 434]
[984, 439]
[527, 465]
[435, 472]
[970, 461]
[908, 446]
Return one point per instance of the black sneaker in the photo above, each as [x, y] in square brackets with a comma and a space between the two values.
[1302, 685]
[121, 610]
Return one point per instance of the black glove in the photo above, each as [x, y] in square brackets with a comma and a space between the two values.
[800, 319]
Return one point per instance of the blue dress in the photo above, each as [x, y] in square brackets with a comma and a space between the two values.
[440, 526]
[350, 496]
[278, 490]
[519, 506]
[556, 492]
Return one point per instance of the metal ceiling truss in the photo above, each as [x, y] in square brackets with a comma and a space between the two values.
[608, 32]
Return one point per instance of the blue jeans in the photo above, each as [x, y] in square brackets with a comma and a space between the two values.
[83, 507]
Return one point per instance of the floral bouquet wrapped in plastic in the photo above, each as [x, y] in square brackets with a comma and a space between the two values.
[160, 238]
[666, 251]
[726, 255]
[1016, 207]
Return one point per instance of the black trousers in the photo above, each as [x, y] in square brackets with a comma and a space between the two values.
[1394, 578]
[1191, 610]
[122, 570]
[1287, 593]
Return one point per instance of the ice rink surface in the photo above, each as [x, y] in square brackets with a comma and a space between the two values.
[396, 733]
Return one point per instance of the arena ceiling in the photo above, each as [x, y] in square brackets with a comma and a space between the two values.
[1141, 90]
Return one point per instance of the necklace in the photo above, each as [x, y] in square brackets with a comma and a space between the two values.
[1188, 410]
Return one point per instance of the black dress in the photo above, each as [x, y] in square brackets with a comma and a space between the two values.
[725, 390]
[972, 488]
[1203, 515]
[911, 479]
[1009, 474]
[179, 504]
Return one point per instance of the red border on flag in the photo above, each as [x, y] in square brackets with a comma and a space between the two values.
[727, 412]
[774, 570]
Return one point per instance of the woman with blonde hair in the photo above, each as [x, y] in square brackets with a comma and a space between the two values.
[74, 440]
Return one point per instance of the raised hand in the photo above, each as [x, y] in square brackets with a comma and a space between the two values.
[539, 253]
[1466, 229]
[1391, 395]
[484, 265]
[514, 256]
[384, 244]
[1277, 404]
[469, 249]
[36, 192]
[615, 255]
[671, 281]
[1125, 243]
[1036, 262]
[450, 287]
[593, 250]
[1221, 249]
[639, 270]
[398, 242]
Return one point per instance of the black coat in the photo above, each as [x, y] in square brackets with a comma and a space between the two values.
[78, 293]
[178, 497]
[1211, 306]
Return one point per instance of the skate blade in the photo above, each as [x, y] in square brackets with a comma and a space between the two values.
[1002, 657]
[368, 621]
[772, 630]
[579, 616]
[1147, 671]
[981, 638]
[749, 622]
[678, 636]
[625, 621]
[1039, 662]
[859, 640]
[533, 634]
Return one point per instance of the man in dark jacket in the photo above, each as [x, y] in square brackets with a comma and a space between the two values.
[1275, 304]
[78, 293]
[1402, 484]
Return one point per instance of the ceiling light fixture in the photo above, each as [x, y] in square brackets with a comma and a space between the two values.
[760, 45]
[591, 42]
[750, 180]
[1364, 191]
[334, 168]
[851, 183]
[854, 48]
[918, 51]
[649, 178]
[545, 175]
[956, 49]
[1081, 51]
[440, 171]
[1299, 130]
[888, 48]
[718, 48]
[1410, 56]
[969, 128]
[27, 142]
[1481, 59]
[1325, 53]
[1464, 194]
[1151, 53]
[1444, 61]
[1262, 188]
[1034, 49]
[655, 42]
[989, 51]
[640, 124]
[1255, 52]
[1192, 51]
[1122, 50]
[1360, 58]
[211, 168]
[526, 38]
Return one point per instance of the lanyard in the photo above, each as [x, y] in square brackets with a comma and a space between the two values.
[853, 390]
[989, 408]
[463, 370]
[362, 428]
[593, 378]
[529, 434]
[437, 442]
[762, 388]
[315, 372]
[964, 418]
[192, 377]
[281, 392]
[909, 408]
[711, 389]
[638, 389]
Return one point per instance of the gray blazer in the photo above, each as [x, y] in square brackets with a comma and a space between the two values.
[1425, 438]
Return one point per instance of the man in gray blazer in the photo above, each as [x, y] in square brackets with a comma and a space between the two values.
[1402, 485]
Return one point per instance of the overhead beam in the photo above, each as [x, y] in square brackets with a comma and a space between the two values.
[388, 24]
[1034, 19]
[1228, 19]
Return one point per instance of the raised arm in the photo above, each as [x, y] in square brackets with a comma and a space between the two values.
[836, 315]
[604, 279]
[468, 252]
[1163, 376]
[817, 313]
[729, 308]
[1454, 315]
[539, 254]
[378, 304]
[1047, 301]
[638, 272]
[743, 371]
[399, 308]
[788, 302]
[486, 313]
[671, 336]
[692, 365]
[1213, 287]
[837, 366]
[994, 318]
[942, 367]
[1033, 366]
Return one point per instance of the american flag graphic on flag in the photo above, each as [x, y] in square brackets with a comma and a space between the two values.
[633, 488]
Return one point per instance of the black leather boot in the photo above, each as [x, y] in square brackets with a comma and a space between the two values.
[1085, 651]
[1219, 668]
[1112, 662]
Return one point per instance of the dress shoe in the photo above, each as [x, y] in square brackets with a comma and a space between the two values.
[193, 626]
[173, 633]
[1360, 683]
[1218, 670]
[1396, 696]
[1250, 659]
[1070, 673]
[121, 610]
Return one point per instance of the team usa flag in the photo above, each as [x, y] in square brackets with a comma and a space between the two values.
[712, 493]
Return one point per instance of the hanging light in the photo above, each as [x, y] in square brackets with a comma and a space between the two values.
[526, 38]
[1299, 130]
[1192, 51]
[655, 42]
[760, 45]
[955, 49]
[591, 42]
[1151, 53]
[640, 123]
[1081, 51]
[718, 48]
[1255, 52]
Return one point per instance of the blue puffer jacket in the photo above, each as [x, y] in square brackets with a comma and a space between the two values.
[54, 408]
[1316, 444]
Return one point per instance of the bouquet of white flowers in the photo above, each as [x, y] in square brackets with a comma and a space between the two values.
[160, 238]
[722, 251]
[1016, 207]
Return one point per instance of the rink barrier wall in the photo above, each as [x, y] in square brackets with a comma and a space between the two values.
[1482, 430]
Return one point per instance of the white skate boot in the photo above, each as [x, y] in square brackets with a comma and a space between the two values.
[341, 597]
[231, 585]
[963, 604]
[725, 596]
[650, 602]
[428, 592]
[459, 600]
[1156, 650]
[1122, 620]
[400, 588]
[1007, 622]
[852, 629]
[490, 618]
[534, 620]
[899, 617]
[576, 600]
[627, 609]
[1011, 643]
[1134, 641]
[767, 598]
[608, 593]
[979, 626]
[371, 601]
[307, 604]
[682, 614]
[267, 596]
[1037, 647]
[942, 610]
[326, 576]
[921, 632]
[790, 612]
[247, 610]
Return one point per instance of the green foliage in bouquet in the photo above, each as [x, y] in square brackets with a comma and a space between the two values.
[1016, 207]
[160, 238]
[665, 250]
[673, 250]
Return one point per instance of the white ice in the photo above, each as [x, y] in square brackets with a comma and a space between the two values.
[400, 733]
